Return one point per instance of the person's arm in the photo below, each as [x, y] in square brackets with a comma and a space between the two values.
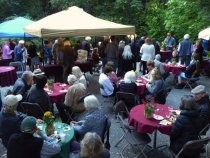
[82, 127]
[68, 98]
[49, 148]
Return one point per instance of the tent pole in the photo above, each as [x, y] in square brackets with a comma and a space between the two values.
[42, 51]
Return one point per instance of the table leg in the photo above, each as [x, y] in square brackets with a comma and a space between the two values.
[155, 139]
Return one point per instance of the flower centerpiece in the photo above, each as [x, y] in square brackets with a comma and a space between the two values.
[50, 83]
[173, 60]
[149, 109]
[49, 120]
[163, 46]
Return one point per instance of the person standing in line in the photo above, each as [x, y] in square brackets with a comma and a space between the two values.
[170, 42]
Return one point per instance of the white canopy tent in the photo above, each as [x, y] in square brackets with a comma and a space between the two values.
[76, 22]
[204, 34]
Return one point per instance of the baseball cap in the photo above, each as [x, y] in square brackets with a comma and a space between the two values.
[198, 89]
[28, 125]
[11, 100]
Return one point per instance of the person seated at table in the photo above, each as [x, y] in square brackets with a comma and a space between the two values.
[10, 119]
[106, 86]
[112, 76]
[174, 59]
[92, 147]
[185, 127]
[23, 84]
[75, 92]
[150, 67]
[25, 144]
[160, 66]
[93, 119]
[156, 85]
[38, 95]
[80, 75]
[192, 71]
[128, 84]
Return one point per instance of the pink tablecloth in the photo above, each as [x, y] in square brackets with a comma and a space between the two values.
[165, 55]
[175, 69]
[58, 93]
[141, 86]
[8, 75]
[144, 125]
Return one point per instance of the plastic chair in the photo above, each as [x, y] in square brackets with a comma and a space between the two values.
[134, 139]
[18, 66]
[32, 109]
[193, 145]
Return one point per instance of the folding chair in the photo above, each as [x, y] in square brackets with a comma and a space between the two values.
[32, 109]
[18, 66]
[129, 99]
[194, 147]
[134, 139]
[202, 133]
[189, 81]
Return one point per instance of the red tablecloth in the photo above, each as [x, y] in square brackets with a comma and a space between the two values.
[8, 75]
[58, 93]
[53, 70]
[175, 69]
[84, 66]
[141, 86]
[165, 55]
[144, 125]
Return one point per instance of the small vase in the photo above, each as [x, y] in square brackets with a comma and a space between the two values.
[50, 129]
[50, 87]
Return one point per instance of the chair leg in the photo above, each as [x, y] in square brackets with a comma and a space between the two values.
[120, 140]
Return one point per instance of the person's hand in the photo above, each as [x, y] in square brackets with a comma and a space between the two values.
[38, 132]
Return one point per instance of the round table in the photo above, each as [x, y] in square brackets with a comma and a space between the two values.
[67, 133]
[175, 69]
[145, 125]
[84, 66]
[57, 95]
[165, 55]
[8, 75]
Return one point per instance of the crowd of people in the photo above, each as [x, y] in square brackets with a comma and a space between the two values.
[118, 74]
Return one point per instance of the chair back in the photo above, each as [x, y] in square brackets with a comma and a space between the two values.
[128, 98]
[121, 109]
[161, 96]
[193, 146]
[32, 109]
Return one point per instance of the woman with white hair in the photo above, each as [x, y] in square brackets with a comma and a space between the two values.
[128, 84]
[79, 74]
[92, 147]
[93, 119]
[127, 59]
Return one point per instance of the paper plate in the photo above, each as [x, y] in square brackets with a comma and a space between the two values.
[158, 117]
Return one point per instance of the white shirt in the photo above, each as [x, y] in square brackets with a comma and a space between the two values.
[107, 85]
[148, 52]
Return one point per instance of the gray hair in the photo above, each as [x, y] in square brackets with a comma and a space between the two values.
[127, 54]
[91, 102]
[186, 36]
[77, 71]
[72, 79]
[26, 75]
[157, 57]
[129, 77]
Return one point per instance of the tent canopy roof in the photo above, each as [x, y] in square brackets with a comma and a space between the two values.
[76, 22]
[14, 28]
[204, 34]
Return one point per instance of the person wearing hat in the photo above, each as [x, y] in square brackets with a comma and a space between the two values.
[202, 99]
[23, 84]
[10, 119]
[25, 144]
[18, 51]
[185, 49]
[38, 95]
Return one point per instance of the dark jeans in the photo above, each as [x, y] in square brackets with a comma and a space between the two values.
[185, 59]
[144, 64]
